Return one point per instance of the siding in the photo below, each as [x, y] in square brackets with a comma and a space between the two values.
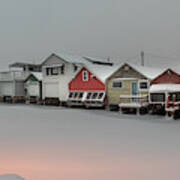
[57, 86]
[93, 84]
[113, 94]
[19, 88]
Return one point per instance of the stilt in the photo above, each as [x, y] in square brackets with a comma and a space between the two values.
[138, 111]
[120, 110]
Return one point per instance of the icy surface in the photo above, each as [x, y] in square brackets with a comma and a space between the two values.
[10, 177]
[43, 143]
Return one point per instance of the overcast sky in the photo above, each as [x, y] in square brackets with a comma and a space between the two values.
[31, 30]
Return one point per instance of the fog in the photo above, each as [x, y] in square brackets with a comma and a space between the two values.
[119, 29]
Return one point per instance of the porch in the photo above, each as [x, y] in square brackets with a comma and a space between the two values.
[133, 103]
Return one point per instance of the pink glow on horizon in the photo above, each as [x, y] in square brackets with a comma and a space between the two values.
[69, 167]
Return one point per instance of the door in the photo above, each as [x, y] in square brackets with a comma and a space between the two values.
[134, 91]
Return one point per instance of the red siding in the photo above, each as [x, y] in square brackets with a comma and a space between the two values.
[93, 84]
[168, 76]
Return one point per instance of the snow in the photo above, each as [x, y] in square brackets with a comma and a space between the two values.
[72, 58]
[133, 96]
[80, 59]
[38, 75]
[164, 88]
[102, 72]
[43, 143]
[149, 72]
[10, 177]
[133, 105]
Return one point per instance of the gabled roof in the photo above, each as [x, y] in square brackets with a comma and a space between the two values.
[71, 58]
[22, 65]
[37, 75]
[167, 76]
[102, 72]
[148, 72]
[75, 59]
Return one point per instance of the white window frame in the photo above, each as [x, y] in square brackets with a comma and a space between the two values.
[96, 99]
[117, 81]
[83, 75]
[54, 71]
[73, 94]
[142, 81]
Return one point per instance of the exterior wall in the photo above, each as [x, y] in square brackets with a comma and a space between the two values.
[167, 77]
[93, 84]
[7, 88]
[19, 88]
[33, 88]
[57, 86]
[128, 76]
[12, 88]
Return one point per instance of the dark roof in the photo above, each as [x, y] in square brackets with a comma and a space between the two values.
[20, 64]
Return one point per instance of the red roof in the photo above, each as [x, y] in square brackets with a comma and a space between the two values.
[167, 77]
[92, 84]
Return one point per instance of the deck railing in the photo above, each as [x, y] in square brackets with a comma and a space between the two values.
[134, 99]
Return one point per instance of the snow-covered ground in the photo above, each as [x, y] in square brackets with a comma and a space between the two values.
[53, 143]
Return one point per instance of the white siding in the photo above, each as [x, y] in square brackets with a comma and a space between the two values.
[50, 89]
[7, 88]
[33, 89]
[19, 88]
[57, 86]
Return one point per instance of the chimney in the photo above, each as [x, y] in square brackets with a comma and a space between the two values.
[142, 58]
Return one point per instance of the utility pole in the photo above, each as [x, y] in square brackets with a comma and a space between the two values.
[108, 59]
[142, 58]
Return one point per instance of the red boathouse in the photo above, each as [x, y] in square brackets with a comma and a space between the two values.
[165, 89]
[88, 86]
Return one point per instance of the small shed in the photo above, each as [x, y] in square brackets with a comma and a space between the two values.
[128, 87]
[88, 87]
[33, 87]
[163, 88]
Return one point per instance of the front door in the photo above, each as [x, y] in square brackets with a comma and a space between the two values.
[134, 91]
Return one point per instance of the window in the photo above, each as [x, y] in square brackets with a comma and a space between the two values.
[177, 95]
[158, 97]
[85, 76]
[94, 96]
[48, 71]
[100, 95]
[126, 68]
[31, 69]
[62, 69]
[89, 95]
[80, 95]
[54, 71]
[71, 95]
[75, 68]
[143, 85]
[117, 84]
[76, 95]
